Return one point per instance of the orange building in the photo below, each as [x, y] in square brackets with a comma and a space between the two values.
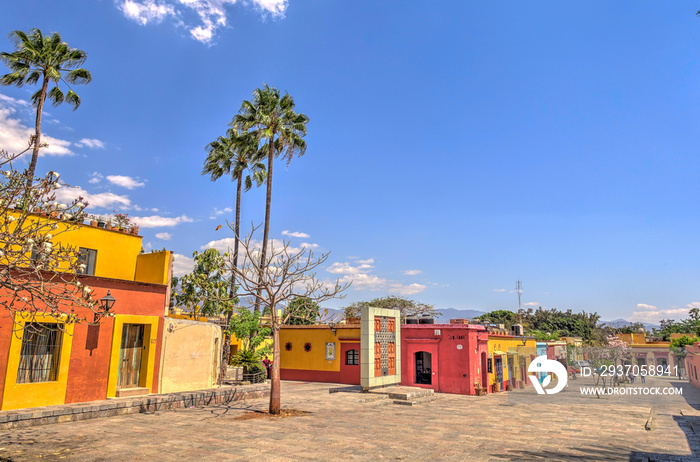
[55, 362]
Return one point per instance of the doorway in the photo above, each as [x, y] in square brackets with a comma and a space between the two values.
[423, 361]
[499, 369]
[130, 355]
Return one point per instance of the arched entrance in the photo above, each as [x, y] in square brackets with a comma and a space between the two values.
[424, 368]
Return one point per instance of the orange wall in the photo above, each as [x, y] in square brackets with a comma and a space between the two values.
[89, 367]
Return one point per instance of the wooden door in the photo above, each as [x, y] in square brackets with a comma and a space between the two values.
[130, 356]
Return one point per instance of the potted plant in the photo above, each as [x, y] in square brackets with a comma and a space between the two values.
[496, 387]
[101, 221]
[93, 220]
[108, 223]
[122, 221]
[135, 229]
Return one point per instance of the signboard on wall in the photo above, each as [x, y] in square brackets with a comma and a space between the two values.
[330, 351]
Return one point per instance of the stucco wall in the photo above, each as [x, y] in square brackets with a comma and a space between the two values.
[191, 355]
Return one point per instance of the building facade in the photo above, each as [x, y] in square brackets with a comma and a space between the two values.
[46, 361]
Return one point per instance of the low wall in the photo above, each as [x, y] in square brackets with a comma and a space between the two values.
[133, 405]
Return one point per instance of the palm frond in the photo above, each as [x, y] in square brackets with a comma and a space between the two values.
[56, 96]
[73, 99]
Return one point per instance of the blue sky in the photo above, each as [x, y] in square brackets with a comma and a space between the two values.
[452, 148]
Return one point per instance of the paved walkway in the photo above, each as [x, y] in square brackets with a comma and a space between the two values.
[340, 427]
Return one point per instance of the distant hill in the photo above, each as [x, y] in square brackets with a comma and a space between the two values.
[617, 323]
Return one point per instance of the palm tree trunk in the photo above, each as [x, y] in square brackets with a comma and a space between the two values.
[232, 291]
[266, 231]
[37, 133]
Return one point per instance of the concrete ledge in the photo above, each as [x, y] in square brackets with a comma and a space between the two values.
[132, 405]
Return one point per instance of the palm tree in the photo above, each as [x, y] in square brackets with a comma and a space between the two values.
[233, 154]
[47, 58]
[271, 119]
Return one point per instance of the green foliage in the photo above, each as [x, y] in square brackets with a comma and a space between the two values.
[246, 326]
[678, 344]
[508, 318]
[405, 306]
[206, 289]
[47, 58]
[565, 323]
[301, 311]
[544, 336]
[247, 359]
[690, 326]
[631, 329]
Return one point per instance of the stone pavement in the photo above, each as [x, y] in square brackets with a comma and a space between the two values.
[344, 426]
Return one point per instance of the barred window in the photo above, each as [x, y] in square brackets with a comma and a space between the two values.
[352, 358]
[40, 353]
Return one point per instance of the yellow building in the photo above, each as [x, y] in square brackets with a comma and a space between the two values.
[320, 353]
[508, 360]
[46, 361]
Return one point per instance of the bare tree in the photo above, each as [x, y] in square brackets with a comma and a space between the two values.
[286, 273]
[38, 276]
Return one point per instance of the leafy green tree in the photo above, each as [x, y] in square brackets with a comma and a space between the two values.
[247, 359]
[543, 336]
[405, 306]
[302, 311]
[506, 317]
[270, 118]
[205, 290]
[49, 59]
[246, 326]
[233, 155]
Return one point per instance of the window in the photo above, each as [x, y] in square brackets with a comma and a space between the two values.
[352, 358]
[87, 258]
[40, 353]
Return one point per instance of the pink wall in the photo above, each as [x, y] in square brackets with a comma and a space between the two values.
[692, 364]
[455, 355]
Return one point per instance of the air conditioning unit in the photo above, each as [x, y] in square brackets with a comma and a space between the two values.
[518, 330]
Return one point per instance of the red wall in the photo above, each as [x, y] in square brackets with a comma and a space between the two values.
[349, 374]
[454, 370]
[91, 346]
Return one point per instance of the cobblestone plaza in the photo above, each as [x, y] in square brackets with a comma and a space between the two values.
[348, 426]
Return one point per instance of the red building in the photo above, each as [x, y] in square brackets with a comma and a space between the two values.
[449, 358]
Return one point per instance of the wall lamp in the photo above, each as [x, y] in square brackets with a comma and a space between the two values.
[333, 327]
[106, 302]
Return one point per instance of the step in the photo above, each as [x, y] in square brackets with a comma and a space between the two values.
[135, 391]
[413, 394]
[373, 398]
[416, 401]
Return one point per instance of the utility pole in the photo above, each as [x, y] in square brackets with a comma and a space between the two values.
[519, 289]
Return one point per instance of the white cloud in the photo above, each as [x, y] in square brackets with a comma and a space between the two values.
[90, 143]
[309, 245]
[358, 272]
[500, 290]
[146, 11]
[156, 221]
[651, 313]
[412, 272]
[348, 268]
[164, 236]
[105, 200]
[182, 265]
[124, 181]
[95, 178]
[218, 212]
[13, 101]
[295, 234]
[211, 14]
[532, 304]
[14, 135]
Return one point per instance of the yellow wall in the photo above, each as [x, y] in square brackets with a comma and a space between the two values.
[118, 254]
[315, 359]
[513, 347]
[21, 395]
[191, 355]
[153, 267]
[148, 357]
